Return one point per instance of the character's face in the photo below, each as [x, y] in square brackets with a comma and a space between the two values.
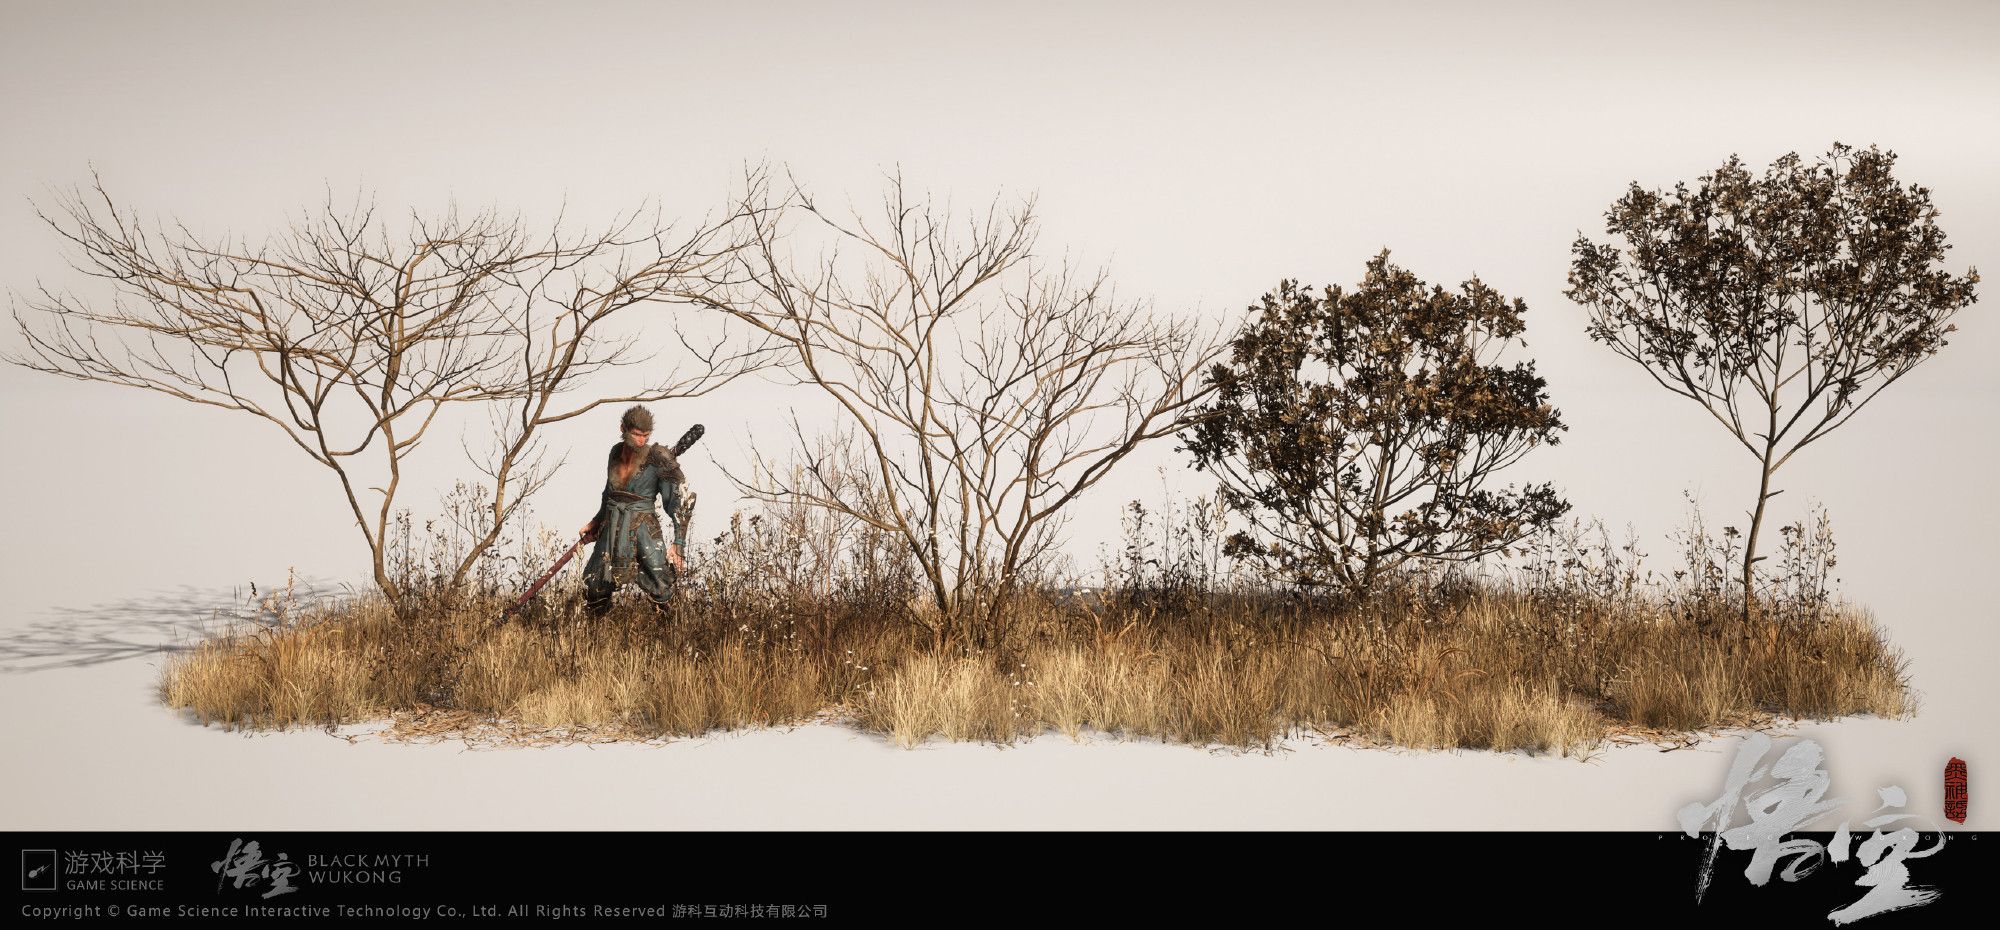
[638, 438]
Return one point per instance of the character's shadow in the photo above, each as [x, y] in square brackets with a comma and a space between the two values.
[161, 622]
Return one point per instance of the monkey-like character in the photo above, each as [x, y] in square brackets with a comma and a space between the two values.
[630, 543]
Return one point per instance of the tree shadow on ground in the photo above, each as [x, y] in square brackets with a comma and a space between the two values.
[165, 621]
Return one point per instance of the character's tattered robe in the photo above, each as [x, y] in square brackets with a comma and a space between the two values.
[630, 548]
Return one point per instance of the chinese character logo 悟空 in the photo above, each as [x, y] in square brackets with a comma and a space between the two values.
[1791, 804]
[246, 866]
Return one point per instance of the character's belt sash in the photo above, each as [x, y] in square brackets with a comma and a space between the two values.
[625, 500]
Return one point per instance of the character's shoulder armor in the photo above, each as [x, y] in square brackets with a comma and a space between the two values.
[669, 465]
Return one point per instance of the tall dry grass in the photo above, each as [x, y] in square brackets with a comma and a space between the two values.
[784, 621]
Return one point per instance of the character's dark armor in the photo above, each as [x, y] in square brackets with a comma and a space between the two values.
[630, 548]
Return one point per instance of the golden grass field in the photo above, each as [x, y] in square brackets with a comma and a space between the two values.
[1477, 669]
[790, 616]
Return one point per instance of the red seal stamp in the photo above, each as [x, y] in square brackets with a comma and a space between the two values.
[1954, 790]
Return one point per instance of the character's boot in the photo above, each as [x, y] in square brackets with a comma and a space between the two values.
[597, 599]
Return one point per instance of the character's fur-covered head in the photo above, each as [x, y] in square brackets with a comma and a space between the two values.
[638, 418]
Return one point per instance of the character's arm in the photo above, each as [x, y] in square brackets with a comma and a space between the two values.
[603, 500]
[596, 523]
[670, 496]
[674, 496]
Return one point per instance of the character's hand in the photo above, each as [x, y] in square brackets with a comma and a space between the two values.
[589, 531]
[674, 555]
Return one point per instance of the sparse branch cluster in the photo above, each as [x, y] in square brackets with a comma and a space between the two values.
[985, 391]
[352, 339]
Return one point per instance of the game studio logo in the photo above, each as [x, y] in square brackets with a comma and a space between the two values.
[92, 870]
[38, 870]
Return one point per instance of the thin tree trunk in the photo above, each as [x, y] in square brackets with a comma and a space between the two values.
[1750, 556]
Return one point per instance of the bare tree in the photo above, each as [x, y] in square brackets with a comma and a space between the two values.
[351, 340]
[985, 392]
[1781, 304]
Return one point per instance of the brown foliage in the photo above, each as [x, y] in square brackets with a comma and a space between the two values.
[1782, 304]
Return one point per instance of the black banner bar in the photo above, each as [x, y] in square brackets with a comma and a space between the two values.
[767, 877]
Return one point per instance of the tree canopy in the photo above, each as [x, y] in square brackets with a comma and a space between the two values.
[1782, 303]
[1359, 430]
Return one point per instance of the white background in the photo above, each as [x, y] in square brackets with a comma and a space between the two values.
[1202, 155]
